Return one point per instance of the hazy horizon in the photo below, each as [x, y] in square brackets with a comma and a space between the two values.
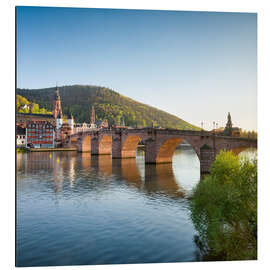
[196, 65]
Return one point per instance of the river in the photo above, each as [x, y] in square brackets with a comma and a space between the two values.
[74, 209]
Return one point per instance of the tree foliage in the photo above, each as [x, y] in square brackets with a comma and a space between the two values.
[224, 210]
[25, 106]
[109, 104]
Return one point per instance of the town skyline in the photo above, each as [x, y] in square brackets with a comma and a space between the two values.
[215, 125]
[195, 65]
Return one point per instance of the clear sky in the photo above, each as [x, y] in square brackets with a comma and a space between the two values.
[196, 65]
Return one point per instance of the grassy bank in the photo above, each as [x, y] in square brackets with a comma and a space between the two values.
[224, 210]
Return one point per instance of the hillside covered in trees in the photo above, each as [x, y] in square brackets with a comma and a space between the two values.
[25, 106]
[108, 105]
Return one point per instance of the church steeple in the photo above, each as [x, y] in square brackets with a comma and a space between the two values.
[93, 117]
[228, 128]
[57, 95]
[57, 104]
[229, 121]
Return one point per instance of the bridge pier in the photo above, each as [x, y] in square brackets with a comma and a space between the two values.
[116, 147]
[119, 152]
[84, 144]
[207, 157]
[150, 151]
[101, 144]
[124, 146]
[94, 146]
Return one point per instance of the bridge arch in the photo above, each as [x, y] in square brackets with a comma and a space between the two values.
[165, 152]
[129, 146]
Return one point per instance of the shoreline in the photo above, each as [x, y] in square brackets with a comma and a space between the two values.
[51, 149]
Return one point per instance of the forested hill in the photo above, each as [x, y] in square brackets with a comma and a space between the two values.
[108, 104]
[25, 106]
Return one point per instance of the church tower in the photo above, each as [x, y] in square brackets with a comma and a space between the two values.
[93, 117]
[59, 121]
[228, 128]
[57, 104]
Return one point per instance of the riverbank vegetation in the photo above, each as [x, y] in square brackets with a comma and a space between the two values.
[224, 210]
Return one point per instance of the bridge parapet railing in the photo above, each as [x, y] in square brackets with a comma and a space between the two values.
[83, 128]
[237, 138]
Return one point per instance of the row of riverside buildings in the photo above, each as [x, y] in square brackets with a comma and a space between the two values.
[49, 130]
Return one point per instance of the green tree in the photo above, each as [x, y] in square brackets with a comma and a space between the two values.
[224, 210]
[30, 106]
[35, 108]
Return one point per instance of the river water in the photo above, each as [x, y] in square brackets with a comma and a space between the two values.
[74, 209]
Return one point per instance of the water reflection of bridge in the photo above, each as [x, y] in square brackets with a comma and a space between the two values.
[151, 179]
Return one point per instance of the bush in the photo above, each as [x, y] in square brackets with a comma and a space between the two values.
[224, 210]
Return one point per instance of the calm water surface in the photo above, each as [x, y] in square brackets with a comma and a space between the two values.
[76, 209]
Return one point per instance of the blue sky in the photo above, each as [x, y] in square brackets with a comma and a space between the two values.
[196, 65]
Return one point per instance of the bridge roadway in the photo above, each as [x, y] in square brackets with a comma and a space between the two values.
[159, 144]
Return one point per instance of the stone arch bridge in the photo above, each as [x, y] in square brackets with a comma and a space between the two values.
[160, 144]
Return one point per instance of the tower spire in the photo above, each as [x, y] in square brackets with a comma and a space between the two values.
[229, 121]
[228, 128]
[93, 117]
[57, 104]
